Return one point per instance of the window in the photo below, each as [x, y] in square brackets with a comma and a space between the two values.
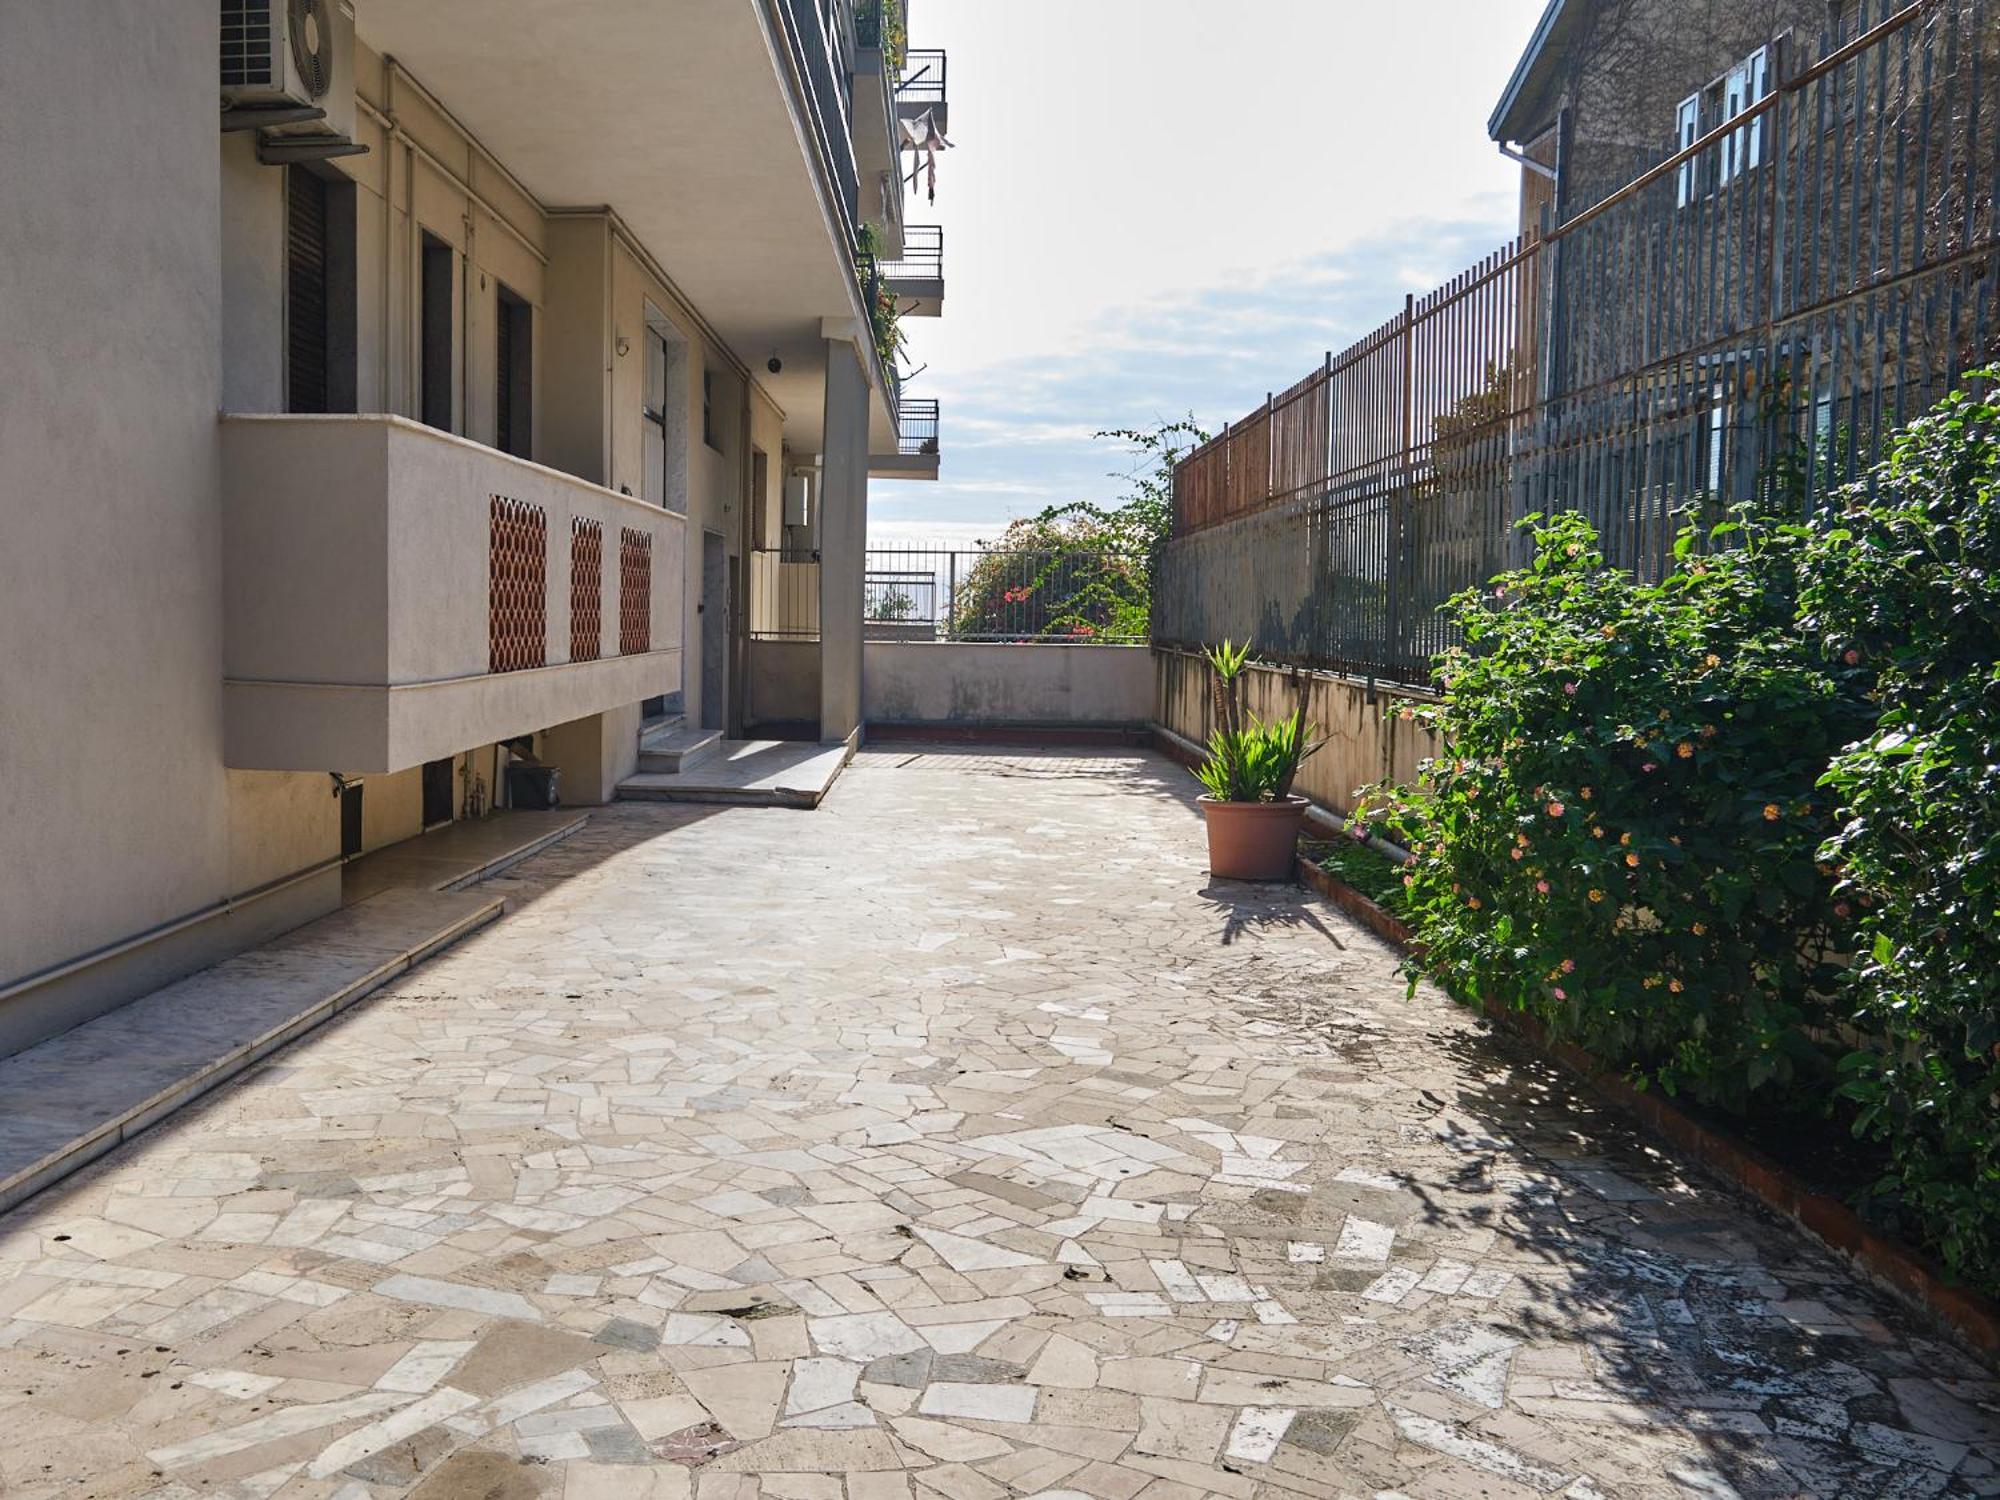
[435, 320]
[1686, 133]
[1741, 150]
[514, 374]
[708, 410]
[1747, 83]
[319, 292]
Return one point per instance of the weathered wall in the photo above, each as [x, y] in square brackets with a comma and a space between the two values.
[783, 683]
[939, 683]
[1365, 740]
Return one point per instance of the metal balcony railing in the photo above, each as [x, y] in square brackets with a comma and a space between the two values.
[923, 81]
[922, 258]
[918, 430]
[824, 73]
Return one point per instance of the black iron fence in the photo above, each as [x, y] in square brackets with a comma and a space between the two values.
[1748, 317]
[1050, 595]
[922, 258]
[917, 426]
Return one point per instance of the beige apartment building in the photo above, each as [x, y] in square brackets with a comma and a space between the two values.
[395, 391]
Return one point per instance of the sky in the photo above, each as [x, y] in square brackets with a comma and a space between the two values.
[1156, 207]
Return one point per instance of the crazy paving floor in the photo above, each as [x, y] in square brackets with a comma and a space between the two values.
[956, 1139]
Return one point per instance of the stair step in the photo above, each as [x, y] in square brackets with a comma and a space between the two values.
[671, 754]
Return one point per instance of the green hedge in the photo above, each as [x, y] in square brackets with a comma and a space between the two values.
[1666, 813]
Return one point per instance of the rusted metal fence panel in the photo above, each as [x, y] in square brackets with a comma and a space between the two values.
[1748, 317]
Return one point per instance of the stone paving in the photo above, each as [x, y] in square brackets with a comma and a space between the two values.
[957, 1139]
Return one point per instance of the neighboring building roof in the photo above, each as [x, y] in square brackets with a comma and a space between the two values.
[1528, 106]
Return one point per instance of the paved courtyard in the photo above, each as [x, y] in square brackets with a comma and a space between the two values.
[955, 1139]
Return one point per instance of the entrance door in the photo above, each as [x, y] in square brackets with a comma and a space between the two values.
[714, 631]
[437, 792]
[350, 819]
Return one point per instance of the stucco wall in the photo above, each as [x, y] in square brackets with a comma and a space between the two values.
[112, 793]
[1365, 740]
[783, 683]
[936, 683]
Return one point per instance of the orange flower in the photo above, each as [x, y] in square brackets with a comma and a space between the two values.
[1633, 860]
[1772, 812]
[1684, 750]
[1596, 895]
[1675, 985]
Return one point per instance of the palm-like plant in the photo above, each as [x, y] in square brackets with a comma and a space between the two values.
[1249, 760]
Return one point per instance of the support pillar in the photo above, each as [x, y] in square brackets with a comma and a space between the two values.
[843, 541]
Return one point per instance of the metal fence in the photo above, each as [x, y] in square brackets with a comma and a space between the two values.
[1748, 317]
[1053, 595]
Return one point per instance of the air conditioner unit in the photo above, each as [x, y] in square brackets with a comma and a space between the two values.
[288, 69]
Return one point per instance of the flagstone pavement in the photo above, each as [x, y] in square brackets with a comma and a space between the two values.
[957, 1139]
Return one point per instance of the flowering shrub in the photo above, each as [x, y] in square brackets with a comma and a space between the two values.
[1621, 834]
[1908, 583]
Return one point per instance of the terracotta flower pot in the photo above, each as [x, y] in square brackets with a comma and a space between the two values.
[1253, 840]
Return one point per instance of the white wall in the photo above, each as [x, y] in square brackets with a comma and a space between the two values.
[938, 683]
[112, 794]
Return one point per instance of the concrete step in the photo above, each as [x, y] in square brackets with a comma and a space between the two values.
[747, 773]
[684, 748]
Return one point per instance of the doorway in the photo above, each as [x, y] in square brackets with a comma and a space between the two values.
[714, 631]
[350, 819]
[437, 792]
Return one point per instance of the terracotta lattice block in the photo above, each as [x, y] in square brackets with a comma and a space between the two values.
[586, 589]
[517, 586]
[635, 591]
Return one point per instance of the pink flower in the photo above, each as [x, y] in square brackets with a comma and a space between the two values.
[1555, 809]
[1570, 688]
[1569, 966]
[1542, 886]
[1516, 852]
[1842, 909]
[1852, 657]
[1649, 766]
[1558, 993]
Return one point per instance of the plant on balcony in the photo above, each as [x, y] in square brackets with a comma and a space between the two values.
[1905, 586]
[881, 23]
[1252, 817]
[884, 316]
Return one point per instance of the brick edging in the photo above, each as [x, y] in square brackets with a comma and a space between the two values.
[1903, 1270]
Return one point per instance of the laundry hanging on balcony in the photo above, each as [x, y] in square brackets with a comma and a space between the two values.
[924, 140]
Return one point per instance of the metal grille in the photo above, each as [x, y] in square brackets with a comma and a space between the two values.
[917, 427]
[922, 258]
[923, 80]
[306, 299]
[1731, 324]
[635, 591]
[586, 588]
[1060, 596]
[246, 43]
[517, 591]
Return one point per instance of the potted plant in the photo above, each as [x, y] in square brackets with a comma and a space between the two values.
[1253, 818]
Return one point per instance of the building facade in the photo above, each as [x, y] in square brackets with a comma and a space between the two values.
[394, 391]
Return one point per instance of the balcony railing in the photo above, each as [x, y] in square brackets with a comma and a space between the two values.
[825, 74]
[923, 82]
[919, 429]
[922, 258]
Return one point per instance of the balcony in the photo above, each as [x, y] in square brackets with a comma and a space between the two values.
[922, 90]
[394, 595]
[916, 277]
[916, 455]
[877, 141]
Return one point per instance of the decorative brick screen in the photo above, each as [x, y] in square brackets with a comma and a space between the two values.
[517, 583]
[586, 589]
[635, 591]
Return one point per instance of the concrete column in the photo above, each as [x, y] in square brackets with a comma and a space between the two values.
[843, 541]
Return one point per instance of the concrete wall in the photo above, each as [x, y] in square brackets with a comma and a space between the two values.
[356, 595]
[112, 794]
[783, 683]
[970, 685]
[1365, 740]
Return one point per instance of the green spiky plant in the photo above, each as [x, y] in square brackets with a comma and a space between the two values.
[1249, 760]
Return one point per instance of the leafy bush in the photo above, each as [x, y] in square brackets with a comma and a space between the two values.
[1906, 587]
[1621, 835]
[1053, 579]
